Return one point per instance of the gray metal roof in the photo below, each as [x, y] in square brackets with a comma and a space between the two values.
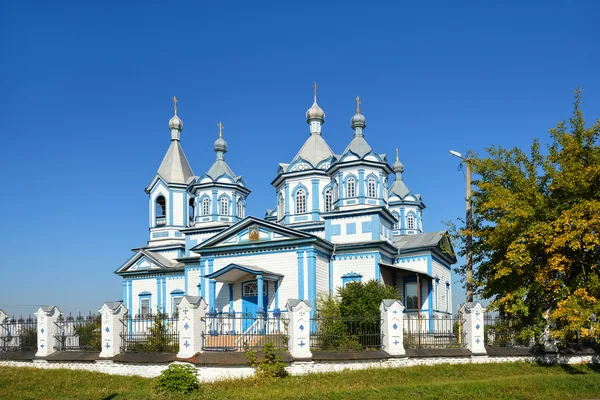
[358, 146]
[399, 188]
[175, 167]
[407, 242]
[162, 259]
[219, 168]
[314, 150]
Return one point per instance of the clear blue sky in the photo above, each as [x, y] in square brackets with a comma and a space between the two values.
[86, 98]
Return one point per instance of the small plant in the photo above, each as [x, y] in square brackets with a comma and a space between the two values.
[271, 367]
[177, 378]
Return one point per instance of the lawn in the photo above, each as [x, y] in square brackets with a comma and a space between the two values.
[471, 381]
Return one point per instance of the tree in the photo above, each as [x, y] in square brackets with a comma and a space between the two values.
[536, 226]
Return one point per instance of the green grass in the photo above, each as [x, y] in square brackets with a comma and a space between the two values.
[470, 381]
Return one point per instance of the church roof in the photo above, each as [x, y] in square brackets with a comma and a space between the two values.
[399, 188]
[175, 167]
[430, 240]
[358, 146]
[219, 168]
[314, 150]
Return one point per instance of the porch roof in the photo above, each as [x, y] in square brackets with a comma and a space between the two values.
[236, 272]
[406, 269]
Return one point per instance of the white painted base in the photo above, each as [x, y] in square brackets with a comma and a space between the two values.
[216, 373]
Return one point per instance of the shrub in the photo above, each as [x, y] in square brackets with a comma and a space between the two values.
[177, 378]
[270, 367]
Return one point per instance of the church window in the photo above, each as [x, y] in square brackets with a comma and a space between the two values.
[206, 206]
[191, 209]
[240, 209]
[145, 307]
[224, 206]
[350, 189]
[411, 296]
[395, 220]
[371, 187]
[336, 189]
[251, 289]
[160, 210]
[281, 210]
[410, 221]
[328, 200]
[300, 201]
[176, 301]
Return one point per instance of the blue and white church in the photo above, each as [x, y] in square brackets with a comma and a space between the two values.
[337, 219]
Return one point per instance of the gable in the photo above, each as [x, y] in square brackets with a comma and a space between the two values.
[146, 261]
[252, 231]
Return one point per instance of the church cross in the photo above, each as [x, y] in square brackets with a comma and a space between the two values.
[397, 159]
[315, 90]
[175, 104]
[358, 102]
[220, 125]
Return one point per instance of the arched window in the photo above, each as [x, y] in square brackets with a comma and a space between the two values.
[281, 210]
[371, 187]
[328, 200]
[206, 206]
[350, 188]
[396, 217]
[410, 221]
[300, 201]
[336, 189]
[192, 209]
[224, 206]
[160, 210]
[240, 209]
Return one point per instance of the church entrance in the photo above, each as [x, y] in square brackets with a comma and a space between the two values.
[250, 301]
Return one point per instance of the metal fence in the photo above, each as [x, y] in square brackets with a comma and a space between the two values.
[78, 333]
[150, 333]
[18, 334]
[244, 331]
[344, 334]
[425, 332]
[502, 332]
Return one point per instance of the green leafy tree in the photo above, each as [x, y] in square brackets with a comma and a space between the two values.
[536, 226]
[89, 332]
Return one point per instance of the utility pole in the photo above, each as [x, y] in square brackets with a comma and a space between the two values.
[469, 221]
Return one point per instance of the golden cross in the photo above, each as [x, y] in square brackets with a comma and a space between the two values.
[357, 104]
[315, 89]
[397, 159]
[220, 125]
[175, 104]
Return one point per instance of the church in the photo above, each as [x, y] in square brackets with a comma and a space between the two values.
[337, 219]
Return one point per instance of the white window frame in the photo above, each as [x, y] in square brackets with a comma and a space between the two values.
[224, 206]
[240, 209]
[350, 188]
[328, 200]
[371, 187]
[410, 221]
[300, 201]
[206, 206]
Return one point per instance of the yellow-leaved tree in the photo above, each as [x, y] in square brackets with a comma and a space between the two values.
[536, 230]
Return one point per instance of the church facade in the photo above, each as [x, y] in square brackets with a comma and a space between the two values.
[337, 219]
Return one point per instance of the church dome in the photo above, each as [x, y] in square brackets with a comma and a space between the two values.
[358, 120]
[175, 123]
[221, 145]
[398, 167]
[315, 112]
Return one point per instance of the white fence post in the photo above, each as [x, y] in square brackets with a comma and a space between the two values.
[112, 313]
[299, 328]
[392, 328]
[473, 327]
[46, 329]
[191, 325]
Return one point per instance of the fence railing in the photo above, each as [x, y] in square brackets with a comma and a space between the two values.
[78, 333]
[344, 334]
[502, 332]
[150, 333]
[424, 332]
[18, 334]
[244, 331]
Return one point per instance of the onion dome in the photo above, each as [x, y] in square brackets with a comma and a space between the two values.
[220, 143]
[175, 123]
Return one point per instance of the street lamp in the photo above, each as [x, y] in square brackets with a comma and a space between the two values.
[469, 241]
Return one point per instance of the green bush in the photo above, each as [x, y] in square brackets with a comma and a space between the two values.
[270, 367]
[177, 379]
